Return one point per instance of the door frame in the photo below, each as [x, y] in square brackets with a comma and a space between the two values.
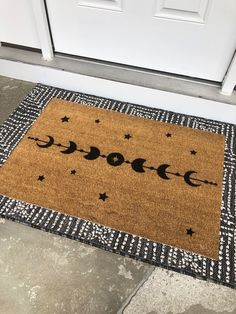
[229, 81]
[43, 28]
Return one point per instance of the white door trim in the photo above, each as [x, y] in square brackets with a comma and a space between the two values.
[42, 26]
[229, 81]
[120, 91]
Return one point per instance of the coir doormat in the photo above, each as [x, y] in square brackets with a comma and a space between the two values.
[154, 185]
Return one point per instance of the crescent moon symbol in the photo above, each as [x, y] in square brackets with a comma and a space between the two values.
[50, 142]
[137, 165]
[93, 154]
[161, 171]
[70, 149]
[187, 178]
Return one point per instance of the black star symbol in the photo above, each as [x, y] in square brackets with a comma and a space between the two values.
[65, 119]
[127, 136]
[97, 121]
[190, 232]
[103, 196]
[115, 158]
[41, 178]
[193, 152]
[73, 172]
[168, 134]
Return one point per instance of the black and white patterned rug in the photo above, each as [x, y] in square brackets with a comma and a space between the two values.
[221, 271]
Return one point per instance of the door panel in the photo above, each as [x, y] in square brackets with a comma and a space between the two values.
[115, 5]
[190, 37]
[183, 10]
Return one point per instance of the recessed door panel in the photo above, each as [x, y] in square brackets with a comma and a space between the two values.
[115, 5]
[183, 10]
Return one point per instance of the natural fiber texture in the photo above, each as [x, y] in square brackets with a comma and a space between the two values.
[222, 270]
[157, 180]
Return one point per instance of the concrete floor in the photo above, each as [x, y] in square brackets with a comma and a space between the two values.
[44, 273]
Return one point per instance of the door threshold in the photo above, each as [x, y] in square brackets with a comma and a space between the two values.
[123, 74]
[80, 77]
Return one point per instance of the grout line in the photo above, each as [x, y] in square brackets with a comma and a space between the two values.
[135, 291]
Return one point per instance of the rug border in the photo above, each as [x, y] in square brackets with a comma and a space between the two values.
[144, 247]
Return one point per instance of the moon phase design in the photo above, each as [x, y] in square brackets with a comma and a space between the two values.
[115, 159]
[161, 171]
[137, 165]
[187, 178]
[48, 144]
[93, 154]
[70, 149]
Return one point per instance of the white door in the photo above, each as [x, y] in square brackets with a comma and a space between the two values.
[196, 38]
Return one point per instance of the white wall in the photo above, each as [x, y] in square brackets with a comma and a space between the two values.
[17, 23]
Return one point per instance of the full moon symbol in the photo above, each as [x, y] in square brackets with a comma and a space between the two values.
[50, 142]
[161, 171]
[137, 165]
[70, 149]
[187, 178]
[93, 154]
[115, 159]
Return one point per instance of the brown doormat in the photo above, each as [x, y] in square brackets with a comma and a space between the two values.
[153, 179]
